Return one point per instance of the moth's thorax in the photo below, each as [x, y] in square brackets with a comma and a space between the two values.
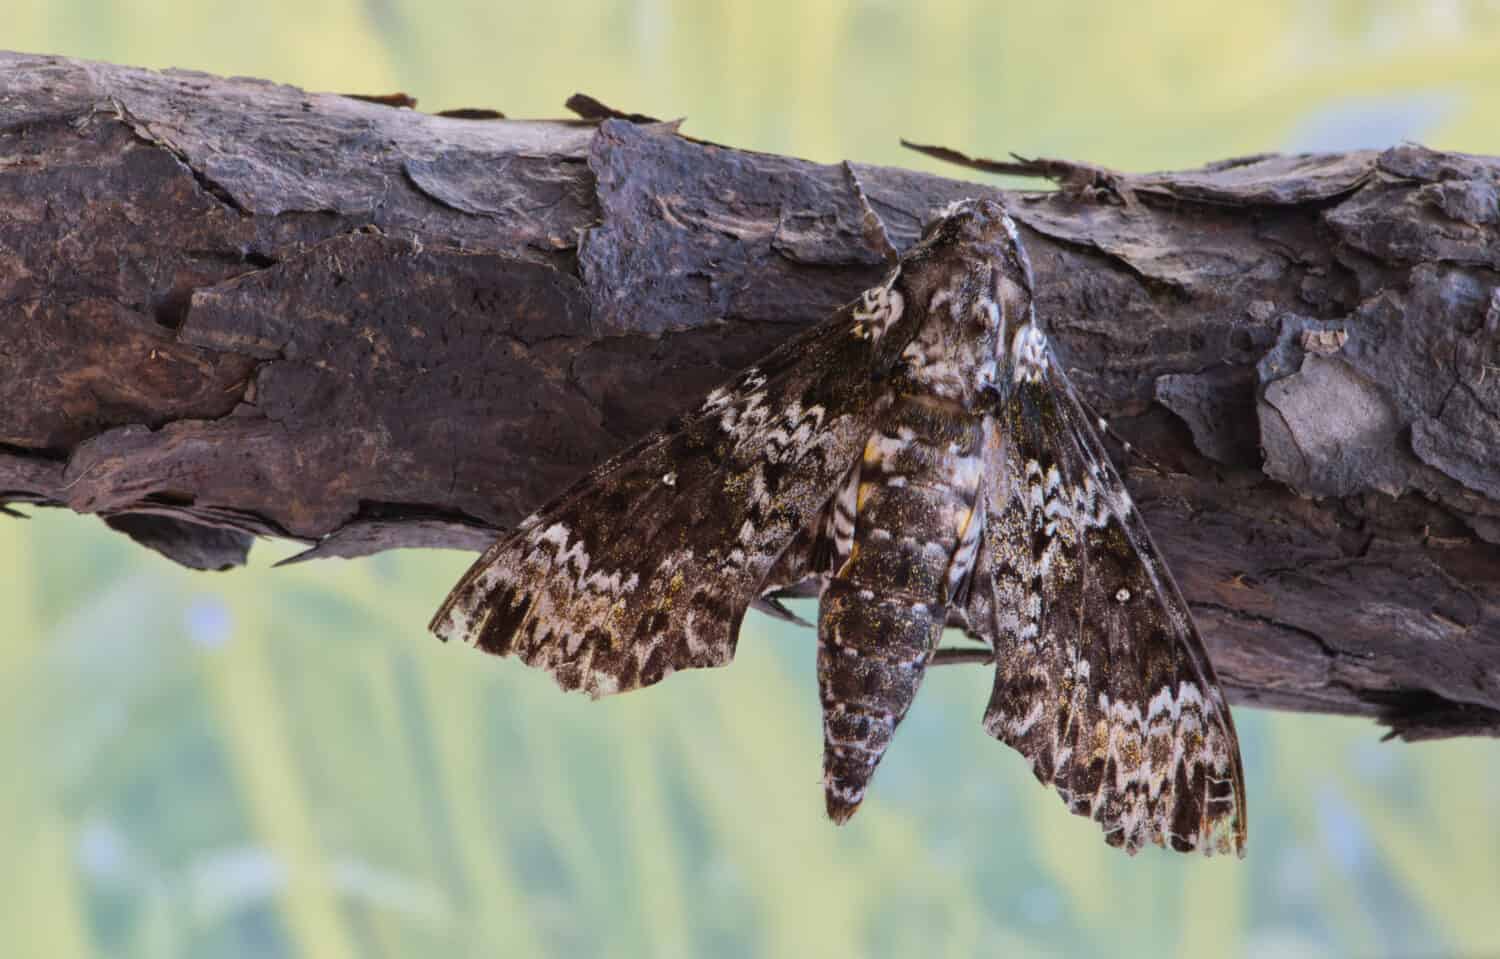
[953, 356]
[972, 283]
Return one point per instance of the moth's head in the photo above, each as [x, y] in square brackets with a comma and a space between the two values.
[971, 276]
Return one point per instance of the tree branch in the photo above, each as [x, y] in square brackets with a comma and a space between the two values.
[230, 308]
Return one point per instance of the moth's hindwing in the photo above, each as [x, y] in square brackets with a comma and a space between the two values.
[647, 565]
[1102, 681]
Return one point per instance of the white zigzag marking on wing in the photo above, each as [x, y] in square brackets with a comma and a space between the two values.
[1028, 354]
[882, 308]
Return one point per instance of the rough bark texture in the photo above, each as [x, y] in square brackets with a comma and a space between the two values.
[230, 308]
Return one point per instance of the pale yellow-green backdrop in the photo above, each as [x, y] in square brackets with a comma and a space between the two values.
[282, 763]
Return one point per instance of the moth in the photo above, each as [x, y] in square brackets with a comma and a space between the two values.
[921, 457]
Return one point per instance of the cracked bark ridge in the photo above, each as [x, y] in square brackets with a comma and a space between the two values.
[231, 308]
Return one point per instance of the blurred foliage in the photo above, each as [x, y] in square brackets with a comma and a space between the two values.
[281, 763]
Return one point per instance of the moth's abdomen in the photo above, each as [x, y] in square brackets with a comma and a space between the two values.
[915, 528]
[872, 653]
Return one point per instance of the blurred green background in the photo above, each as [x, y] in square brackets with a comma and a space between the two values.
[282, 763]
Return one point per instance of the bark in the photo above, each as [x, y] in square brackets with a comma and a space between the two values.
[230, 308]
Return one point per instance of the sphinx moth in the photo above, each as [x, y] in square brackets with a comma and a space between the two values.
[923, 459]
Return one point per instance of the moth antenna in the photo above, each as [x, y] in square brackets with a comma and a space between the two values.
[1130, 448]
[1102, 424]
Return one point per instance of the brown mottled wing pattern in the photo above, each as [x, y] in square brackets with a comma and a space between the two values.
[1101, 679]
[647, 565]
